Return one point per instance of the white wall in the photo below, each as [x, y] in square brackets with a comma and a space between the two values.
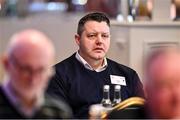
[59, 28]
[141, 37]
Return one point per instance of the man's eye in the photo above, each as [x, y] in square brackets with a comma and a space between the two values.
[105, 36]
[91, 36]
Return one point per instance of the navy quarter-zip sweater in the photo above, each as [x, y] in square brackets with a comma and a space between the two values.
[81, 87]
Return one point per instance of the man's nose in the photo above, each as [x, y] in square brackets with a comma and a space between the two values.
[35, 74]
[34, 78]
[99, 39]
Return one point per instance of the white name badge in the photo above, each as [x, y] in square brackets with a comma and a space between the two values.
[118, 80]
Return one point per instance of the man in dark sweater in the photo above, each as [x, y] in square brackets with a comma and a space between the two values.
[28, 69]
[79, 79]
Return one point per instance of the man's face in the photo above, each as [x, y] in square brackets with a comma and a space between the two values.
[29, 71]
[94, 41]
[164, 88]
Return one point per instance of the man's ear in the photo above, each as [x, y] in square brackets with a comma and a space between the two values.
[77, 39]
[5, 62]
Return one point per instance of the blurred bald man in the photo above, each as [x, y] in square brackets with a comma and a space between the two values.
[27, 62]
[163, 84]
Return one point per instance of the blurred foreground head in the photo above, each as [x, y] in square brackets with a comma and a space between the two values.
[27, 63]
[163, 83]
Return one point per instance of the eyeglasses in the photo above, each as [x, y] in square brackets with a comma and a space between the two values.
[27, 71]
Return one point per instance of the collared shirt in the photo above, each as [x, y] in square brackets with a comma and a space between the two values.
[87, 66]
[17, 103]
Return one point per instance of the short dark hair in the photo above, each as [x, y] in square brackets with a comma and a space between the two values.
[94, 16]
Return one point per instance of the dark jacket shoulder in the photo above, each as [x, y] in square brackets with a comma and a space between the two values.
[117, 65]
[66, 63]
